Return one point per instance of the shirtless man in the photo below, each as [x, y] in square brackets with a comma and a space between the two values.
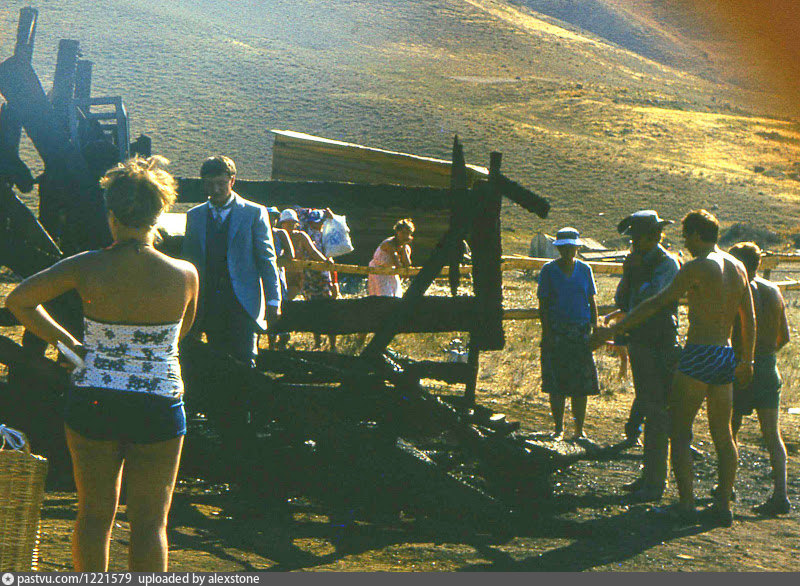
[718, 291]
[763, 393]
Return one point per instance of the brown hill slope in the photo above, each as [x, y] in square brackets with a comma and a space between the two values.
[600, 129]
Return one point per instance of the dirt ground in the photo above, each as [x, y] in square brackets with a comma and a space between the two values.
[586, 526]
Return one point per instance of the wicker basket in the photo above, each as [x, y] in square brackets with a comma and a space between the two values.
[22, 477]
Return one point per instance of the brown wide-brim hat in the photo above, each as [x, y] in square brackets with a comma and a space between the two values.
[641, 222]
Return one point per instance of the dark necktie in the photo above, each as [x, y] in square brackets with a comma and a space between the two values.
[216, 214]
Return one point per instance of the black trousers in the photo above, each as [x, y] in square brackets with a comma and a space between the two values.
[230, 329]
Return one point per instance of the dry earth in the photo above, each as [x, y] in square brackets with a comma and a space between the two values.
[588, 525]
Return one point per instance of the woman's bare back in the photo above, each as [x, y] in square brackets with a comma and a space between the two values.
[134, 284]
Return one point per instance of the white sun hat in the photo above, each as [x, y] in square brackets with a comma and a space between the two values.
[568, 236]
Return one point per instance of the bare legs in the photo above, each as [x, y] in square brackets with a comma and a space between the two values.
[578, 406]
[151, 470]
[768, 420]
[97, 467]
[720, 406]
[687, 397]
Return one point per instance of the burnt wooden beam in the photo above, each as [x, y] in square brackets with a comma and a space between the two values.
[22, 89]
[458, 199]
[487, 275]
[370, 314]
[525, 197]
[7, 319]
[26, 33]
[25, 246]
[337, 367]
[473, 367]
[11, 165]
[67, 188]
[83, 79]
[43, 369]
[64, 80]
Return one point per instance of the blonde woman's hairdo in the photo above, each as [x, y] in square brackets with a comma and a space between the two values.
[138, 191]
[404, 224]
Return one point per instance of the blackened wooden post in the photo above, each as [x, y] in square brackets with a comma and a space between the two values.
[487, 276]
[64, 80]
[416, 290]
[83, 79]
[473, 366]
[26, 33]
[10, 128]
[458, 197]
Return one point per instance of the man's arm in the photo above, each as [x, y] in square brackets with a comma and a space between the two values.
[264, 252]
[671, 294]
[783, 328]
[663, 275]
[747, 317]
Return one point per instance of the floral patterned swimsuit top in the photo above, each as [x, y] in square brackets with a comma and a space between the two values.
[128, 357]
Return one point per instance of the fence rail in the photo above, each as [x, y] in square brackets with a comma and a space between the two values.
[511, 263]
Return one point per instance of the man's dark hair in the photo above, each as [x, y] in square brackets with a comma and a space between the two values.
[703, 223]
[747, 252]
[217, 165]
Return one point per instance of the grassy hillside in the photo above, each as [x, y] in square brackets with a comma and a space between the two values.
[598, 128]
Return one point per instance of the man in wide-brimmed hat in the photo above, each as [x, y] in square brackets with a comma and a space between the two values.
[718, 293]
[653, 346]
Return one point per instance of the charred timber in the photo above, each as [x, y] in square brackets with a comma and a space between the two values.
[25, 246]
[369, 314]
[331, 366]
[487, 276]
[458, 201]
[524, 197]
[39, 368]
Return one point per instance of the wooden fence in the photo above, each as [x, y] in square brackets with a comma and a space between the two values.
[512, 263]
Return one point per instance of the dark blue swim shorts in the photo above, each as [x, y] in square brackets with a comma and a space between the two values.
[708, 363]
[125, 416]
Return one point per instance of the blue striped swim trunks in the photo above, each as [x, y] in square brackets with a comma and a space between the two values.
[708, 363]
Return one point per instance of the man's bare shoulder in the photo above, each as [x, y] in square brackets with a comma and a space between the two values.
[696, 266]
[733, 262]
[768, 288]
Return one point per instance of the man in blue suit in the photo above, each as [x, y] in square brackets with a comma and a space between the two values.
[229, 240]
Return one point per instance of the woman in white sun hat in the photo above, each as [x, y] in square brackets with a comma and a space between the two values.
[569, 313]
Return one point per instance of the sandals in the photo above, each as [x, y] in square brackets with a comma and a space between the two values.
[715, 516]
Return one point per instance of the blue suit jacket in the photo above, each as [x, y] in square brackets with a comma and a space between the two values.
[251, 256]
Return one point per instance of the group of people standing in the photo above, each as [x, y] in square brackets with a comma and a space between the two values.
[124, 407]
[125, 404]
[737, 323]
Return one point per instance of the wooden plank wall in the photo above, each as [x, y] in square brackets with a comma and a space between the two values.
[304, 157]
[371, 210]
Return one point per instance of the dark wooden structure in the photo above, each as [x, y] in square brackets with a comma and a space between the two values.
[363, 427]
[371, 209]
